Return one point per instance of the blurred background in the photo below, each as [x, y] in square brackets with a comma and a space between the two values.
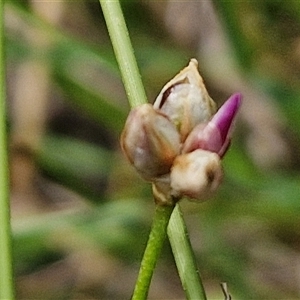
[80, 214]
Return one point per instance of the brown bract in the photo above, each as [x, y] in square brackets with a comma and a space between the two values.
[185, 100]
[150, 141]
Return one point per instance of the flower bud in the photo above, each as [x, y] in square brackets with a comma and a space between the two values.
[215, 136]
[196, 175]
[150, 141]
[185, 100]
[177, 143]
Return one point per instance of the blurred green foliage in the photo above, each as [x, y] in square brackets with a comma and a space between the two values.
[252, 221]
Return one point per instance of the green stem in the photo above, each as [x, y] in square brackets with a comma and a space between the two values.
[124, 52]
[155, 242]
[186, 265]
[6, 273]
[184, 257]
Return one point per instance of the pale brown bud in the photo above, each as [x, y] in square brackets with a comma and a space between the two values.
[185, 100]
[177, 143]
[196, 175]
[150, 141]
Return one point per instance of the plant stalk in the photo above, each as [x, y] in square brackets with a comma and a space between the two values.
[184, 257]
[154, 245]
[6, 269]
[124, 52]
[177, 231]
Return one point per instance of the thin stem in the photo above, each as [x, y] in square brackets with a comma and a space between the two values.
[184, 257]
[136, 96]
[155, 242]
[124, 52]
[6, 273]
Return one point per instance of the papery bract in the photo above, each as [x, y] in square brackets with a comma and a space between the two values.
[150, 141]
[185, 100]
[162, 190]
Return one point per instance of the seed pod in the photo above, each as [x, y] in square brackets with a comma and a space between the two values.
[150, 141]
[185, 100]
[196, 175]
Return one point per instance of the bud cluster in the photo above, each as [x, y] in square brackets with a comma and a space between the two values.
[178, 142]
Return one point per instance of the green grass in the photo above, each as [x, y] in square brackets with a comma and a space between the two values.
[6, 273]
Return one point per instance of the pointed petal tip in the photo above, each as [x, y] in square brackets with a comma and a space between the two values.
[224, 117]
[236, 100]
[232, 105]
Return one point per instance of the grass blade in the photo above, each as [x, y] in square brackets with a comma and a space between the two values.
[6, 273]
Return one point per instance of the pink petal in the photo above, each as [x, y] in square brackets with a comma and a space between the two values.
[224, 117]
[215, 136]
